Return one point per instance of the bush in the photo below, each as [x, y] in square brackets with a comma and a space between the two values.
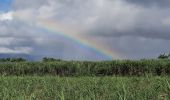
[45, 59]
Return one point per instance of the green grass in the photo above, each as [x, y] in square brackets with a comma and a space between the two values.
[84, 88]
[104, 80]
[77, 68]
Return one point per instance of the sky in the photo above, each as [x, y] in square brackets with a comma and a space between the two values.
[85, 29]
[5, 5]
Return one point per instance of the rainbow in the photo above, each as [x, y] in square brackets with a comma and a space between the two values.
[58, 28]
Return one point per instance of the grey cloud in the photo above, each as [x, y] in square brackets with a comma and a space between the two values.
[138, 47]
[150, 3]
[20, 4]
[105, 17]
[135, 28]
[131, 20]
[113, 17]
[16, 50]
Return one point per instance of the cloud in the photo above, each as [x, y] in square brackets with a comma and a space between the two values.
[150, 3]
[16, 50]
[135, 28]
[128, 19]
[115, 18]
[6, 16]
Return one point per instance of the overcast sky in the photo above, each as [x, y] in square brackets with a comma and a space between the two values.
[134, 29]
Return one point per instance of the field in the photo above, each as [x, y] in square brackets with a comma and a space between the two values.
[75, 80]
[85, 88]
[78, 68]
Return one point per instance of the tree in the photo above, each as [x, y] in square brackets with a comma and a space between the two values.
[45, 59]
[17, 60]
[12, 60]
[169, 55]
[163, 56]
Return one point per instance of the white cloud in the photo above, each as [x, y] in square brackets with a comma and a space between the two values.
[16, 50]
[6, 16]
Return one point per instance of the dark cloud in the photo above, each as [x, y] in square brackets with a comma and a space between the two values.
[131, 20]
[151, 3]
[20, 4]
[132, 47]
[134, 28]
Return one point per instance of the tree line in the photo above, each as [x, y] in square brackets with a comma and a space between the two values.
[12, 60]
[47, 59]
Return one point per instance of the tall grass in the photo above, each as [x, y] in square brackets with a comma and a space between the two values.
[84, 88]
[41, 81]
[77, 68]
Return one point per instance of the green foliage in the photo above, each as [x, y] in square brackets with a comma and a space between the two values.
[45, 59]
[163, 56]
[12, 60]
[78, 68]
[20, 80]
[84, 88]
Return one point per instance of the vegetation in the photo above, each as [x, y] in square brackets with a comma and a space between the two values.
[85, 88]
[84, 80]
[78, 68]
[45, 59]
[12, 60]
[164, 56]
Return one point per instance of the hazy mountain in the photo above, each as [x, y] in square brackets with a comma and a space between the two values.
[25, 56]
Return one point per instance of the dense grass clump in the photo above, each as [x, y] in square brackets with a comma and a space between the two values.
[85, 68]
[84, 88]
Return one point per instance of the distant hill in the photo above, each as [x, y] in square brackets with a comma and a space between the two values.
[25, 56]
